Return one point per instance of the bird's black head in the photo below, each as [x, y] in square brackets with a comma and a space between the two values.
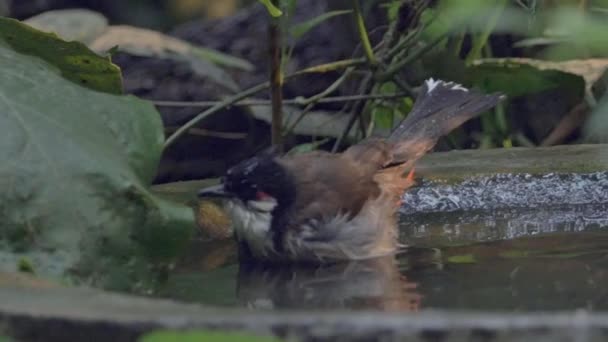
[255, 180]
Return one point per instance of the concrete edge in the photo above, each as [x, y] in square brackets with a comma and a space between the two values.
[77, 314]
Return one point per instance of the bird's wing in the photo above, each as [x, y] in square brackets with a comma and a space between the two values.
[329, 185]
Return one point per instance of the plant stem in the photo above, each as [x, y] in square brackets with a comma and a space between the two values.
[403, 43]
[218, 106]
[401, 83]
[276, 80]
[394, 68]
[364, 87]
[333, 66]
[215, 108]
[208, 133]
[311, 101]
[363, 36]
[296, 101]
[481, 40]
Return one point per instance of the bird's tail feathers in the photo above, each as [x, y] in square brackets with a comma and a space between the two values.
[440, 108]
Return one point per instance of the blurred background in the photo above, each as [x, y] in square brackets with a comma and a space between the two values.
[548, 57]
[155, 14]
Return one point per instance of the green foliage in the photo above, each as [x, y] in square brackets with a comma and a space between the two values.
[392, 9]
[447, 39]
[24, 265]
[203, 336]
[74, 60]
[308, 147]
[514, 78]
[461, 259]
[272, 9]
[556, 32]
[77, 168]
[576, 34]
[481, 40]
[386, 114]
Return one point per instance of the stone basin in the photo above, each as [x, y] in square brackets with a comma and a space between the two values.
[504, 245]
[80, 314]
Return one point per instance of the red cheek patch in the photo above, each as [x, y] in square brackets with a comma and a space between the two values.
[261, 195]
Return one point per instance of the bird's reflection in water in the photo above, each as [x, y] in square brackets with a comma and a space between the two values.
[373, 284]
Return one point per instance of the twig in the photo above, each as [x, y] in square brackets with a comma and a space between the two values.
[208, 133]
[389, 37]
[405, 42]
[351, 121]
[393, 69]
[215, 108]
[363, 36]
[252, 91]
[296, 101]
[311, 101]
[276, 80]
[332, 66]
[402, 44]
[401, 83]
[355, 113]
[482, 39]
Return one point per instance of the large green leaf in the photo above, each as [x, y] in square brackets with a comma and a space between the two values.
[76, 172]
[516, 77]
[73, 59]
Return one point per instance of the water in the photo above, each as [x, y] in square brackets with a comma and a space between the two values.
[511, 244]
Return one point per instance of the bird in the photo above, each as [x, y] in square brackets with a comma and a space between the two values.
[322, 207]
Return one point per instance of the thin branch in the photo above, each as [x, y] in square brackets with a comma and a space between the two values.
[401, 83]
[363, 36]
[412, 36]
[215, 108]
[390, 36]
[349, 125]
[393, 69]
[254, 90]
[297, 101]
[402, 44]
[355, 112]
[332, 66]
[311, 101]
[207, 133]
[276, 80]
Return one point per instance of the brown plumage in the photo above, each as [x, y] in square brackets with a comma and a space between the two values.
[321, 206]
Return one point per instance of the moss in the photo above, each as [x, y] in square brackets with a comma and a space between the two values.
[25, 265]
[203, 336]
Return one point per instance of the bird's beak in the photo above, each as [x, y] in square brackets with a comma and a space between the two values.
[215, 191]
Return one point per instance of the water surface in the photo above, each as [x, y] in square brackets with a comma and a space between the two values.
[500, 244]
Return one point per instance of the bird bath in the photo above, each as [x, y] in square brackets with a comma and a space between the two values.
[504, 244]
[529, 240]
[507, 260]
